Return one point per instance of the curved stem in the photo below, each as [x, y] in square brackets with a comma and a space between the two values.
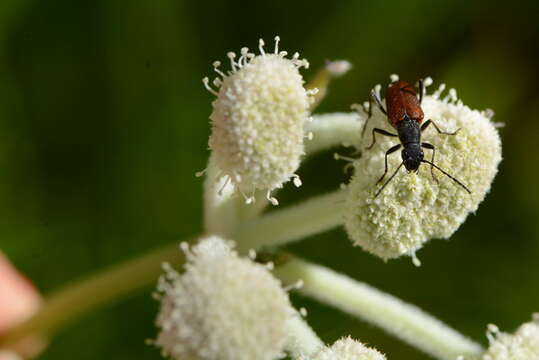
[293, 223]
[335, 129]
[404, 321]
[109, 285]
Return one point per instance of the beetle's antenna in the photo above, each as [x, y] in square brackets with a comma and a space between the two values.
[388, 180]
[449, 176]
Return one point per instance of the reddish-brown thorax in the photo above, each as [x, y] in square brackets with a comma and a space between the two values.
[402, 101]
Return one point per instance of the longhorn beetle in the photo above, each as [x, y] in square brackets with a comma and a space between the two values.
[405, 115]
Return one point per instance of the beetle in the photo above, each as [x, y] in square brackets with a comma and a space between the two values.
[405, 115]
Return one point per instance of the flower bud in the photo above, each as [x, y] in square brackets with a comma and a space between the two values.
[522, 345]
[416, 207]
[257, 120]
[221, 307]
[348, 349]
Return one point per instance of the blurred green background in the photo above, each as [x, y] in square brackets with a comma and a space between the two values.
[104, 120]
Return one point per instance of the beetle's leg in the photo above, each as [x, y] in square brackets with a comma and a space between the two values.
[429, 121]
[369, 115]
[378, 101]
[421, 90]
[389, 180]
[431, 147]
[379, 131]
[390, 151]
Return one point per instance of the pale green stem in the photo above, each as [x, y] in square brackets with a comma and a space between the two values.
[332, 130]
[322, 79]
[404, 321]
[221, 203]
[66, 305]
[315, 215]
[302, 341]
[80, 297]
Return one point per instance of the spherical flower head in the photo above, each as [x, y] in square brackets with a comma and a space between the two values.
[415, 207]
[221, 307]
[348, 349]
[258, 119]
[522, 345]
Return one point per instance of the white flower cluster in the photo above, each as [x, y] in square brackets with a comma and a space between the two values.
[414, 207]
[258, 120]
[348, 349]
[522, 345]
[222, 307]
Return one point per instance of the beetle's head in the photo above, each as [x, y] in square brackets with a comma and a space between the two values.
[412, 155]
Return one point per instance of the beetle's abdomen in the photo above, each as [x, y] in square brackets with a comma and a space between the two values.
[401, 100]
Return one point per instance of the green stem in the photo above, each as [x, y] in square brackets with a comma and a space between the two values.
[293, 223]
[404, 321]
[332, 130]
[66, 305]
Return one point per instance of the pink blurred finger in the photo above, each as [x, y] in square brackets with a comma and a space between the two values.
[19, 300]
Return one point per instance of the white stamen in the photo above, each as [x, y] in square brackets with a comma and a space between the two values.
[242, 60]
[377, 89]
[338, 156]
[277, 39]
[200, 173]
[231, 55]
[296, 180]
[439, 91]
[261, 46]
[206, 83]
[216, 65]
[492, 332]
[294, 286]
[271, 199]
[415, 259]
[394, 77]
[252, 254]
[366, 106]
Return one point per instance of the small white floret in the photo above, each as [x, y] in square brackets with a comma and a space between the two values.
[348, 349]
[522, 345]
[222, 307]
[415, 207]
[258, 119]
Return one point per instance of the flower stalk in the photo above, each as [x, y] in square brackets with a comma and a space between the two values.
[317, 214]
[74, 300]
[402, 320]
